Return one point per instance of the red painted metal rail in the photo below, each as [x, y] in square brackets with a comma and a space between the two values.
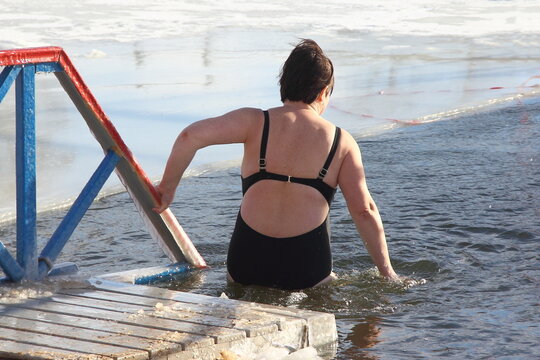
[163, 227]
[58, 55]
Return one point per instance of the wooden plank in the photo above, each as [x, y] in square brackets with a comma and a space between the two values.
[215, 334]
[218, 309]
[165, 294]
[158, 336]
[88, 317]
[114, 352]
[159, 323]
[225, 325]
[153, 347]
[98, 304]
[216, 304]
[321, 327]
[251, 323]
[16, 350]
[168, 312]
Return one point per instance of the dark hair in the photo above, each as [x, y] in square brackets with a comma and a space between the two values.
[305, 73]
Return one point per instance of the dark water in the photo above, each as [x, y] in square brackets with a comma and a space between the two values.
[460, 200]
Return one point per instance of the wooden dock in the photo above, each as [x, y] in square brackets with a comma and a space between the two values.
[112, 320]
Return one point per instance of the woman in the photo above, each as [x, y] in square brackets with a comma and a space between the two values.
[293, 161]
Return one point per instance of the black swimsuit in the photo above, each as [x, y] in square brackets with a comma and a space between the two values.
[291, 263]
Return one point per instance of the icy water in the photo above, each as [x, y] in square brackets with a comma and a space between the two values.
[155, 67]
[460, 200]
[459, 193]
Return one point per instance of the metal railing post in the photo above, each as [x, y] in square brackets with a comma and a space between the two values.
[26, 171]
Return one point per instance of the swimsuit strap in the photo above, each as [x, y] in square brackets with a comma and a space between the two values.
[331, 154]
[264, 142]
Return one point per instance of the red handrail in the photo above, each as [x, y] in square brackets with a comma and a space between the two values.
[58, 55]
[109, 137]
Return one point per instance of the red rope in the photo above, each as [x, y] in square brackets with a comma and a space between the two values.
[520, 89]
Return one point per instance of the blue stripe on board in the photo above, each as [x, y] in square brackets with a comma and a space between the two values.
[162, 276]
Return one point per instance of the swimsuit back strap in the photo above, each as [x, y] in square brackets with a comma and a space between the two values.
[264, 142]
[331, 154]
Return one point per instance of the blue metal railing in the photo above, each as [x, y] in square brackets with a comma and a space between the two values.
[27, 264]
[20, 67]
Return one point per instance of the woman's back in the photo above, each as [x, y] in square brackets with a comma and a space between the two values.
[293, 161]
[299, 142]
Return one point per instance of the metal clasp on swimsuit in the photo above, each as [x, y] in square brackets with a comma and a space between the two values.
[262, 164]
[322, 173]
[288, 178]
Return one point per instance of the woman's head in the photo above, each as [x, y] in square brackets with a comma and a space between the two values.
[305, 73]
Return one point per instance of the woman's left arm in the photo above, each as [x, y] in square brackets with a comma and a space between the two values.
[232, 127]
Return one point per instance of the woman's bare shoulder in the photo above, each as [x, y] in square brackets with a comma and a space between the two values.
[348, 142]
[247, 112]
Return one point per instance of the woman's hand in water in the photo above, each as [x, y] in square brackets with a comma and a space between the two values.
[389, 274]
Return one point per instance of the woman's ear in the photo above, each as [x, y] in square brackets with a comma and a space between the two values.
[322, 100]
[324, 93]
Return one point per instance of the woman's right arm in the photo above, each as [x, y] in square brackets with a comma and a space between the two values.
[232, 127]
[362, 207]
